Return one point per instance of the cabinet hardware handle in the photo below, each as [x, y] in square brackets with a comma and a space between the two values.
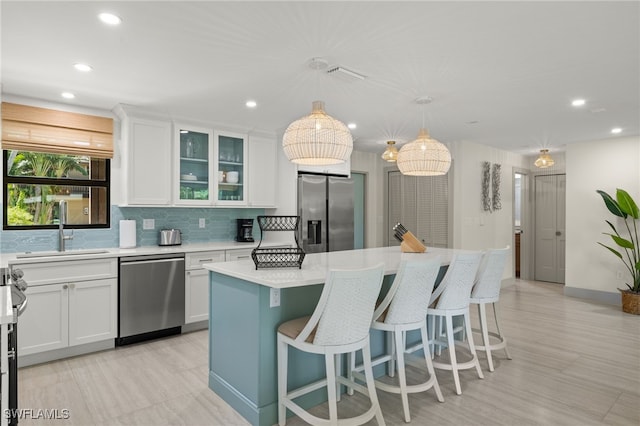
[72, 286]
[243, 257]
[64, 287]
[206, 260]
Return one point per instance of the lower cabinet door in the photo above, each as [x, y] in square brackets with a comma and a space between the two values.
[93, 311]
[43, 326]
[196, 296]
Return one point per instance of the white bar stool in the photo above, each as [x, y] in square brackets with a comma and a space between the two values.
[487, 290]
[451, 299]
[339, 324]
[403, 309]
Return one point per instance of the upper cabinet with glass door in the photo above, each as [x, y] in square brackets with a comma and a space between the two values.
[194, 165]
[231, 157]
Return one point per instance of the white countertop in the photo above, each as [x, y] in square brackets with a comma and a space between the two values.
[316, 265]
[11, 258]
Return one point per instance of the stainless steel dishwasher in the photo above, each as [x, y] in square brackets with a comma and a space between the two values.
[151, 297]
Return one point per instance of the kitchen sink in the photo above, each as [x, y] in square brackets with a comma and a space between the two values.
[30, 254]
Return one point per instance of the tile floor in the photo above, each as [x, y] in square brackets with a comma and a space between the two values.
[575, 362]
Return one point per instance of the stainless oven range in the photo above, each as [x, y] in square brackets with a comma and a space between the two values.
[14, 286]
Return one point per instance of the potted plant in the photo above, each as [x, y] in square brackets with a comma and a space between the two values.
[628, 246]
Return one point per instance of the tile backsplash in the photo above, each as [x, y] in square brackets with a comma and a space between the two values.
[220, 225]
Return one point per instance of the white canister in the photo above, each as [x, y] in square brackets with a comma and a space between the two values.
[220, 176]
[232, 177]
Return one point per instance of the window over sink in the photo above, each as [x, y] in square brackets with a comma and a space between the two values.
[50, 156]
[35, 183]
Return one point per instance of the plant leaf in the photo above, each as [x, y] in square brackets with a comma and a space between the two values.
[612, 204]
[612, 250]
[622, 242]
[612, 227]
[626, 203]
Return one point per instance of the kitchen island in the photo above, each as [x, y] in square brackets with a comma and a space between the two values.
[243, 319]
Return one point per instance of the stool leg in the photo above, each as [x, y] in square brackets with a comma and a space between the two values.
[496, 315]
[452, 352]
[331, 387]
[402, 375]
[391, 366]
[371, 386]
[351, 365]
[472, 347]
[432, 333]
[427, 358]
[338, 372]
[282, 380]
[482, 313]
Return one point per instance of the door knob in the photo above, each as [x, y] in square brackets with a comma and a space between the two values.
[558, 233]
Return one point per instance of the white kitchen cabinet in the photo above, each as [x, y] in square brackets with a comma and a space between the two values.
[70, 314]
[238, 254]
[263, 171]
[230, 156]
[197, 284]
[146, 157]
[193, 166]
[44, 325]
[196, 296]
[74, 304]
[148, 169]
[93, 313]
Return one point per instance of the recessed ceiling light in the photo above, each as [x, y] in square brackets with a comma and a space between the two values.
[616, 130]
[82, 67]
[578, 102]
[352, 126]
[110, 18]
[251, 104]
[68, 95]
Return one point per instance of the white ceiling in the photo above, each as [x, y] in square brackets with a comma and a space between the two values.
[500, 73]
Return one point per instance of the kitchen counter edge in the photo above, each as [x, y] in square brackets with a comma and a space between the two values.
[7, 259]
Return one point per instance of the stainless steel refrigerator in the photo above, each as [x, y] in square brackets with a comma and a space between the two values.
[325, 206]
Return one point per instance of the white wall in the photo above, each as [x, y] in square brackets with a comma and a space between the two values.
[473, 228]
[606, 165]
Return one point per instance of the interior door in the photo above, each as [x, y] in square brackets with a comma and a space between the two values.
[550, 228]
[421, 204]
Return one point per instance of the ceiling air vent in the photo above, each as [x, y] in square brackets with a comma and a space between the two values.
[338, 70]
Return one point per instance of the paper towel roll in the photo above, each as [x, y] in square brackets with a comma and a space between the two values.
[127, 233]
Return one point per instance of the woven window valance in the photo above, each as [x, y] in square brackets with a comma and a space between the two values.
[28, 128]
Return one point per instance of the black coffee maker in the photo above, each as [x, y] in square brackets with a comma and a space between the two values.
[244, 233]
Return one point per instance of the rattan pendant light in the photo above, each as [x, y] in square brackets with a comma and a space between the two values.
[424, 156]
[544, 160]
[391, 153]
[317, 139]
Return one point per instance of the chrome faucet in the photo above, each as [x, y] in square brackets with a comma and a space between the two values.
[62, 205]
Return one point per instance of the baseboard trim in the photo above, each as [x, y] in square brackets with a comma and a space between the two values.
[596, 295]
[194, 326]
[56, 354]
